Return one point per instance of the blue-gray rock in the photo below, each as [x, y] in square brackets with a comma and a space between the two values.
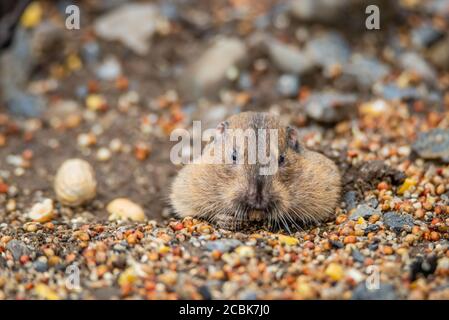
[208, 72]
[248, 295]
[288, 85]
[204, 291]
[330, 107]
[384, 292]
[391, 91]
[371, 228]
[2, 262]
[110, 69]
[169, 10]
[425, 36]
[397, 222]
[223, 245]
[413, 62]
[90, 52]
[433, 144]
[288, 58]
[328, 50]
[366, 70]
[18, 249]
[336, 244]
[358, 256]
[133, 24]
[350, 199]
[81, 91]
[439, 7]
[24, 104]
[40, 265]
[363, 211]
[318, 10]
[245, 82]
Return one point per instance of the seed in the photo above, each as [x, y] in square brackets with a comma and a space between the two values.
[434, 236]
[374, 218]
[440, 189]
[428, 206]
[334, 271]
[103, 154]
[245, 251]
[132, 239]
[289, 241]
[96, 102]
[340, 219]
[409, 238]
[388, 250]
[419, 214]
[30, 227]
[407, 185]
[350, 239]
[83, 236]
[42, 211]
[383, 186]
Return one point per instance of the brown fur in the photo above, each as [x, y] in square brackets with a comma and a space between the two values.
[305, 189]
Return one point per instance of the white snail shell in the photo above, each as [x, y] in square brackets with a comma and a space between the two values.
[125, 209]
[75, 182]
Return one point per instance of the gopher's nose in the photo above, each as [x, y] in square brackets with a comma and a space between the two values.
[257, 195]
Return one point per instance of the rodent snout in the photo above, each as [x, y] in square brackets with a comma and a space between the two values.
[258, 196]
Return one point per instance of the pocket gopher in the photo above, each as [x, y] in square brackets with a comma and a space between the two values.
[304, 188]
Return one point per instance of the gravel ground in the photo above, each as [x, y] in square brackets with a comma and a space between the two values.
[375, 101]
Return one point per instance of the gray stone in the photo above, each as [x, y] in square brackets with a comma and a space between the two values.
[433, 144]
[223, 245]
[208, 72]
[330, 107]
[132, 24]
[289, 58]
[318, 10]
[40, 265]
[245, 82]
[288, 85]
[439, 7]
[363, 211]
[90, 52]
[358, 256]
[397, 222]
[24, 104]
[411, 61]
[391, 91]
[425, 35]
[366, 70]
[384, 292]
[2, 262]
[110, 69]
[328, 50]
[18, 249]
[350, 199]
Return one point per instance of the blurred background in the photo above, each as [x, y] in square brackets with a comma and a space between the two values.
[109, 79]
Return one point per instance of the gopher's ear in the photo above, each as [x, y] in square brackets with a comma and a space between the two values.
[292, 139]
[222, 127]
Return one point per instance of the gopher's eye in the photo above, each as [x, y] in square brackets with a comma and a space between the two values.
[234, 156]
[281, 159]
